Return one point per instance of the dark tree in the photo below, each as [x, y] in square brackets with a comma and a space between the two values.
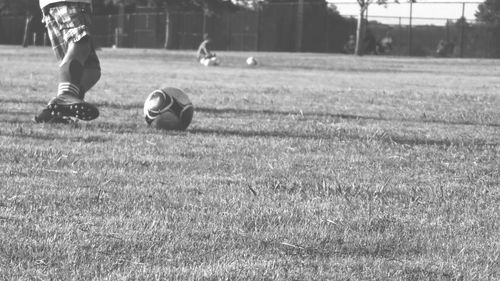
[488, 11]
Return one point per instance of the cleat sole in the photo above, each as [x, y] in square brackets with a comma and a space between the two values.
[84, 111]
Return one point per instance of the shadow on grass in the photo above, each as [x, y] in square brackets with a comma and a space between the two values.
[387, 250]
[346, 135]
[339, 135]
[238, 111]
[37, 135]
[333, 115]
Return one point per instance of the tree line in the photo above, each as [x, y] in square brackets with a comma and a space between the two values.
[488, 11]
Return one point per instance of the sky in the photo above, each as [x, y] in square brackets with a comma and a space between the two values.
[424, 12]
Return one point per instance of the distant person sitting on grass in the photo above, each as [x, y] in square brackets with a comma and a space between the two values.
[204, 55]
[350, 45]
[204, 51]
[68, 25]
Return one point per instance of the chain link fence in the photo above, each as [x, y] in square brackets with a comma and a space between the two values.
[279, 28]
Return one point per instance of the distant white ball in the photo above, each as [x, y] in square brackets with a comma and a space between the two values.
[251, 61]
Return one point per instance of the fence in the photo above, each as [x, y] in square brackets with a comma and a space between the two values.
[416, 33]
[282, 27]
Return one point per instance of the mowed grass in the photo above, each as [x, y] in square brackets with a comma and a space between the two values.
[307, 167]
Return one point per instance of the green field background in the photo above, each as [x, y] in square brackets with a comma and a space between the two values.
[305, 167]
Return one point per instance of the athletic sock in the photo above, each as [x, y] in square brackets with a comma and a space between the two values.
[68, 87]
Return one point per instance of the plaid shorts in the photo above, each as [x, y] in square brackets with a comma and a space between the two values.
[69, 22]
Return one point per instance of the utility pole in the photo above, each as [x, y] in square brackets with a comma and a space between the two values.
[360, 28]
[462, 31]
[300, 26]
[120, 25]
[168, 27]
[27, 25]
[410, 39]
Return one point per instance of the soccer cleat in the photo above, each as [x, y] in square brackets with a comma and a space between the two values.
[45, 116]
[66, 105]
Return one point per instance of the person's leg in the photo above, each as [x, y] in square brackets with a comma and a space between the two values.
[72, 68]
[75, 80]
[91, 73]
[69, 25]
[60, 47]
[80, 65]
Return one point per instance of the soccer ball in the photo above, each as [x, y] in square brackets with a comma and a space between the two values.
[251, 61]
[213, 61]
[168, 109]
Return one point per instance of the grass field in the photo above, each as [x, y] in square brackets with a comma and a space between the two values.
[307, 167]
